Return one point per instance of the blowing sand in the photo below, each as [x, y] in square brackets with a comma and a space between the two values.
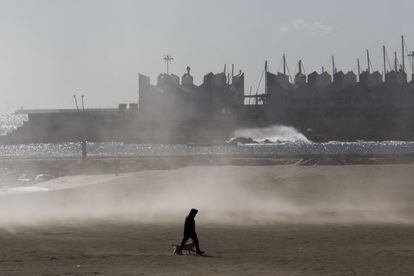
[290, 220]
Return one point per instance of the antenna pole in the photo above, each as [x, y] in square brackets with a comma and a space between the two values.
[83, 106]
[284, 64]
[403, 53]
[385, 64]
[368, 62]
[333, 66]
[300, 66]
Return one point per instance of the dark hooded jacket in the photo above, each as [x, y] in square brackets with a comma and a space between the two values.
[189, 225]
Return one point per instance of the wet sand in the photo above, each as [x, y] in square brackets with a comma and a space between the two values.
[282, 219]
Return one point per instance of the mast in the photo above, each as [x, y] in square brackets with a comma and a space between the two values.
[402, 53]
[250, 94]
[385, 65]
[232, 70]
[284, 64]
[411, 55]
[359, 68]
[333, 67]
[368, 62]
[300, 66]
[265, 71]
[395, 62]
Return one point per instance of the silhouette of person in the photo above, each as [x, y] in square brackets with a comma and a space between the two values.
[84, 149]
[116, 164]
[189, 232]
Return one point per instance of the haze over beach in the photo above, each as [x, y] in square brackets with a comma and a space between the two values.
[292, 172]
[283, 219]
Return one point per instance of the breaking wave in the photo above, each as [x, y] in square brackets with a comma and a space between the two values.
[272, 134]
[270, 140]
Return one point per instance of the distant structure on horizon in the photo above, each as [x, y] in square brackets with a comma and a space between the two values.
[218, 96]
[342, 106]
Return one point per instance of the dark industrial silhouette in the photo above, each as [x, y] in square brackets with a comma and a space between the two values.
[189, 232]
[340, 106]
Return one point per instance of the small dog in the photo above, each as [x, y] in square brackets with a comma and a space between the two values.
[188, 247]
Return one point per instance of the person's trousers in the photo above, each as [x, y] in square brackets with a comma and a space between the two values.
[193, 238]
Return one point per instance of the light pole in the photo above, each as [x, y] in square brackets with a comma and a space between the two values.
[76, 102]
[83, 107]
[168, 59]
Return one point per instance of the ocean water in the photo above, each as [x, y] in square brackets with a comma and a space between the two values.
[8, 123]
[285, 140]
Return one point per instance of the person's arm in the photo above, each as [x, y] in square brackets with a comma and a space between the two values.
[192, 227]
[189, 226]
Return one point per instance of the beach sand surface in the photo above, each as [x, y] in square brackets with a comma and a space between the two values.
[275, 220]
[106, 248]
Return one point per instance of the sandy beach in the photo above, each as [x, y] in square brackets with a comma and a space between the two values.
[107, 248]
[275, 220]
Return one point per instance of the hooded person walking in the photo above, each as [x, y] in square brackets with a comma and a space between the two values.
[189, 232]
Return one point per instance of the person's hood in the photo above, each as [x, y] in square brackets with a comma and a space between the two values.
[193, 213]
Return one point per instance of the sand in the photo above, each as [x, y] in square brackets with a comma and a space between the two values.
[134, 249]
[275, 220]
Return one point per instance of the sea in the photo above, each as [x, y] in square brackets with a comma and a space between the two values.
[273, 140]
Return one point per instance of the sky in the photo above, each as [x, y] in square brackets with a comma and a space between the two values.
[51, 50]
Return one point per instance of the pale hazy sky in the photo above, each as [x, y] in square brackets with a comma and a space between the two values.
[52, 49]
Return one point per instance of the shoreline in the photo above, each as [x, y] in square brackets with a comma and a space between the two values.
[62, 166]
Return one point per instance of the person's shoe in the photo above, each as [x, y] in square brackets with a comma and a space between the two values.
[200, 252]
